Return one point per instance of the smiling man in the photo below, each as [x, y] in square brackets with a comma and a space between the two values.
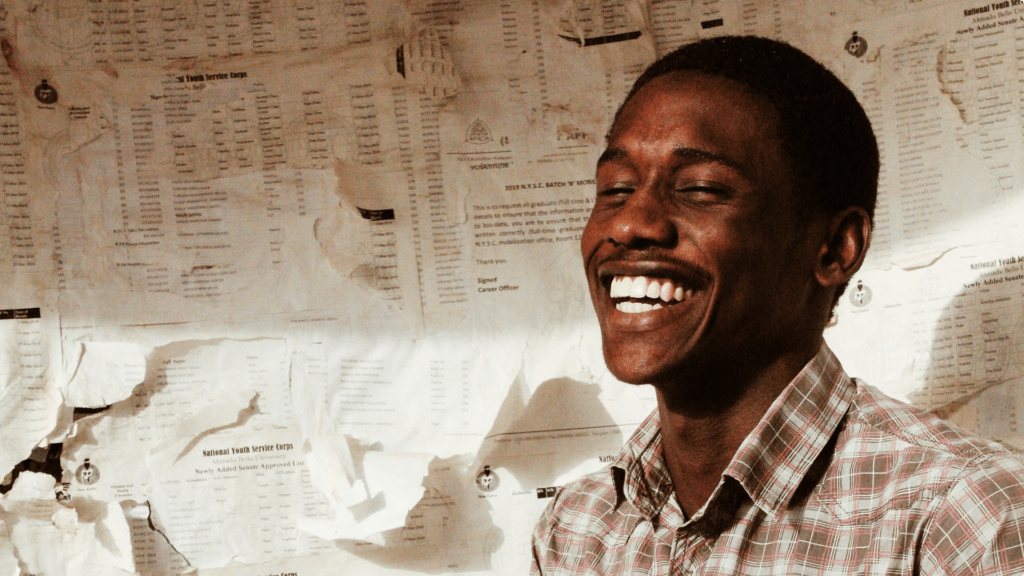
[734, 204]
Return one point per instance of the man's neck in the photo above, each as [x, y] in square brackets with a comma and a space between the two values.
[699, 443]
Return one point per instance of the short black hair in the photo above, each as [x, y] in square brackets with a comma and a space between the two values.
[825, 132]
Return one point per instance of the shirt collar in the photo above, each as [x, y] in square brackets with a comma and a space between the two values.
[773, 459]
[641, 476]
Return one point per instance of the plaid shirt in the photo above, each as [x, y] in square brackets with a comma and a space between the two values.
[837, 478]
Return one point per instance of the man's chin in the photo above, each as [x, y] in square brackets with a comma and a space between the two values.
[633, 365]
[650, 354]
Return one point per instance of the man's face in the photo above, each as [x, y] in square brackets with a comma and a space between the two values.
[694, 194]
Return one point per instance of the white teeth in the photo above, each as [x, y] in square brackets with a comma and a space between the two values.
[666, 291]
[639, 287]
[636, 307]
[653, 289]
[618, 289]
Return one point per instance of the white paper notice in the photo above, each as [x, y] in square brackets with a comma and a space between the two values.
[237, 494]
[29, 391]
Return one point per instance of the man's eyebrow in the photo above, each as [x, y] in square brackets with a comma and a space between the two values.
[612, 154]
[708, 156]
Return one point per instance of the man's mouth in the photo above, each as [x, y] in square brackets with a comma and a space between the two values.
[635, 294]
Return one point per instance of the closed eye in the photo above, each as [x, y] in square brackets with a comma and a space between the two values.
[615, 191]
[705, 195]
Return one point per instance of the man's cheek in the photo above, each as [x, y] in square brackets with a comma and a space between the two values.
[588, 240]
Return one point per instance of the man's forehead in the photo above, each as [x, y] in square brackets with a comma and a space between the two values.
[709, 88]
[693, 116]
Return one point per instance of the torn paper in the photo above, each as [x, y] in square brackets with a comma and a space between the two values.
[393, 485]
[194, 388]
[105, 373]
[154, 556]
[77, 537]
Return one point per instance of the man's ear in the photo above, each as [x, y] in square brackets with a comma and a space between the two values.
[842, 253]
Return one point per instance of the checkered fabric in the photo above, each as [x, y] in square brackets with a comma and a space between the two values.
[837, 479]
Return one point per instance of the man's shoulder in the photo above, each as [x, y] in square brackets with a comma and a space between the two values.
[887, 420]
[582, 527]
[891, 455]
[585, 504]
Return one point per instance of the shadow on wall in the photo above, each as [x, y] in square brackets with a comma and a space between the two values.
[452, 528]
[974, 376]
[539, 437]
[449, 529]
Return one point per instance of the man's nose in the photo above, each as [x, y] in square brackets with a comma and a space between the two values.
[643, 220]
